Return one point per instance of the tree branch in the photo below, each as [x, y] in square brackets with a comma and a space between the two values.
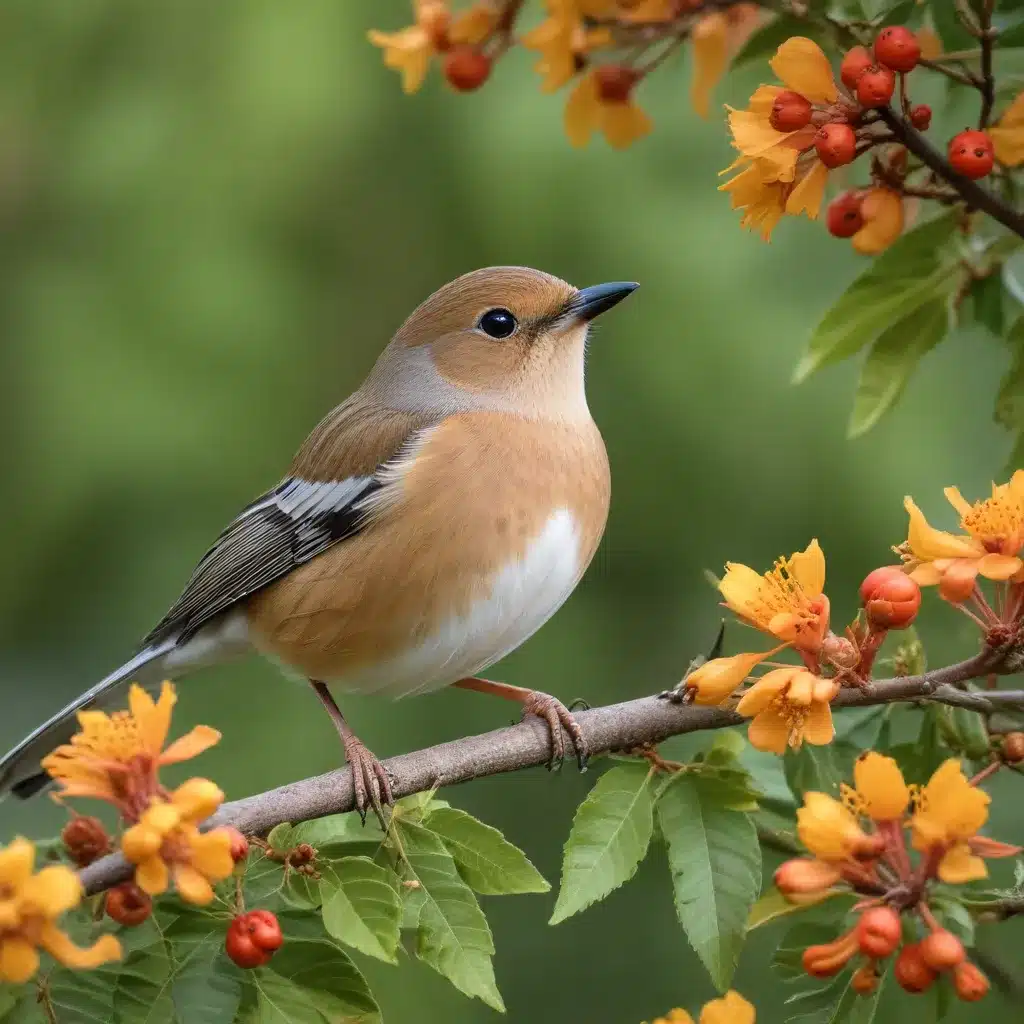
[634, 723]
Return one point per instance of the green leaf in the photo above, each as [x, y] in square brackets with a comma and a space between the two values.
[361, 906]
[452, 936]
[715, 859]
[313, 981]
[610, 835]
[206, 987]
[336, 830]
[9, 996]
[919, 760]
[1009, 409]
[762, 45]
[893, 358]
[86, 996]
[263, 882]
[280, 839]
[987, 294]
[773, 905]
[953, 915]
[813, 769]
[487, 861]
[949, 27]
[908, 275]
[141, 984]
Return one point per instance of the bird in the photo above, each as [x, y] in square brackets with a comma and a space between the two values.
[428, 526]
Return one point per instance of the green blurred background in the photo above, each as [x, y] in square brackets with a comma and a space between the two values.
[212, 217]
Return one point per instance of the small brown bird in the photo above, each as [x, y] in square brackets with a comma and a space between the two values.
[427, 527]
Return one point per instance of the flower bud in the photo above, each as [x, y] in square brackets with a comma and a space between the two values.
[835, 144]
[921, 117]
[898, 48]
[466, 68]
[911, 972]
[864, 980]
[85, 839]
[843, 216]
[879, 931]
[826, 960]
[969, 982]
[615, 82]
[239, 844]
[876, 86]
[855, 63]
[840, 651]
[971, 153]
[942, 950]
[790, 112]
[955, 587]
[805, 875]
[891, 598]
[127, 904]
[1013, 747]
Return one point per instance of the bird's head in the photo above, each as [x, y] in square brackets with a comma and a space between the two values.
[502, 337]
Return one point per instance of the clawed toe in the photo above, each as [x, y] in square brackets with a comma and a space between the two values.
[371, 783]
[558, 718]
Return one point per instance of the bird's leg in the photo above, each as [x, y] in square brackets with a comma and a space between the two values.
[369, 777]
[551, 710]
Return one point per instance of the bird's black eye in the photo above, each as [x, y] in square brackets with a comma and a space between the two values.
[498, 323]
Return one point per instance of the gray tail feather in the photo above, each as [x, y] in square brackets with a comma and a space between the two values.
[19, 769]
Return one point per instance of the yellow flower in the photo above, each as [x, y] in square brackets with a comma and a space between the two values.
[789, 705]
[948, 812]
[603, 101]
[717, 679]
[990, 546]
[715, 38]
[409, 50]
[562, 39]
[116, 757]
[882, 210]
[829, 829]
[29, 906]
[1007, 134]
[732, 1008]
[879, 792]
[787, 601]
[166, 844]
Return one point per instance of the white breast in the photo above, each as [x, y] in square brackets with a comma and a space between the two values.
[523, 595]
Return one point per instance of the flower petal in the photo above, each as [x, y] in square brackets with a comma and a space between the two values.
[582, 111]
[807, 197]
[880, 786]
[624, 123]
[818, 728]
[769, 731]
[715, 680]
[151, 876]
[16, 862]
[62, 949]
[192, 885]
[766, 689]
[18, 960]
[201, 738]
[197, 799]
[959, 865]
[740, 586]
[710, 46]
[732, 1008]
[999, 567]
[211, 854]
[803, 67]
[52, 891]
[927, 543]
[882, 210]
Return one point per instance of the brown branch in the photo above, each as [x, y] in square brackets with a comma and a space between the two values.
[971, 191]
[987, 84]
[635, 723]
[963, 77]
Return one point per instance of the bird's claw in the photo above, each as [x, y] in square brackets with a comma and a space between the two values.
[371, 782]
[557, 717]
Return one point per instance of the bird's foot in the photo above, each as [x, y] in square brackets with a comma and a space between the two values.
[557, 717]
[370, 781]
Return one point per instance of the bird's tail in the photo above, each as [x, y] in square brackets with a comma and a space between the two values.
[19, 769]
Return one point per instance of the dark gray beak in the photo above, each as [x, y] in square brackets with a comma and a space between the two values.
[593, 301]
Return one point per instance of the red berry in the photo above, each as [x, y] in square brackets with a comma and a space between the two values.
[615, 82]
[835, 143]
[890, 598]
[898, 48]
[239, 844]
[466, 68]
[843, 217]
[855, 63]
[1013, 747]
[86, 839]
[942, 950]
[878, 932]
[875, 86]
[864, 980]
[127, 904]
[790, 112]
[921, 117]
[253, 938]
[971, 153]
[970, 984]
[912, 973]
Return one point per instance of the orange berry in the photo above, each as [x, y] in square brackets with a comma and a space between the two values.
[876, 86]
[1013, 747]
[971, 153]
[239, 844]
[804, 875]
[879, 931]
[855, 63]
[970, 984]
[890, 597]
[127, 904]
[898, 48]
[790, 112]
[835, 143]
[942, 950]
[466, 68]
[912, 973]
[843, 216]
[86, 839]
[865, 979]
[921, 116]
[615, 82]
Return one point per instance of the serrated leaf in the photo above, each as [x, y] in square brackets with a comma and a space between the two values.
[313, 981]
[908, 275]
[263, 882]
[891, 362]
[813, 769]
[361, 906]
[610, 835]
[279, 839]
[338, 830]
[206, 987]
[452, 934]
[715, 860]
[141, 984]
[773, 905]
[85, 997]
[487, 861]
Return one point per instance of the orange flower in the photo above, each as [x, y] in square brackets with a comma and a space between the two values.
[879, 791]
[603, 101]
[990, 545]
[732, 1008]
[829, 829]
[116, 757]
[562, 38]
[715, 38]
[719, 678]
[166, 843]
[1007, 134]
[882, 210]
[30, 904]
[789, 705]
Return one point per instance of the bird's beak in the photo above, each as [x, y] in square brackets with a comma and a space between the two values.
[593, 301]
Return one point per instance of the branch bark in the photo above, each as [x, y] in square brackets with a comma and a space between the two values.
[625, 726]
